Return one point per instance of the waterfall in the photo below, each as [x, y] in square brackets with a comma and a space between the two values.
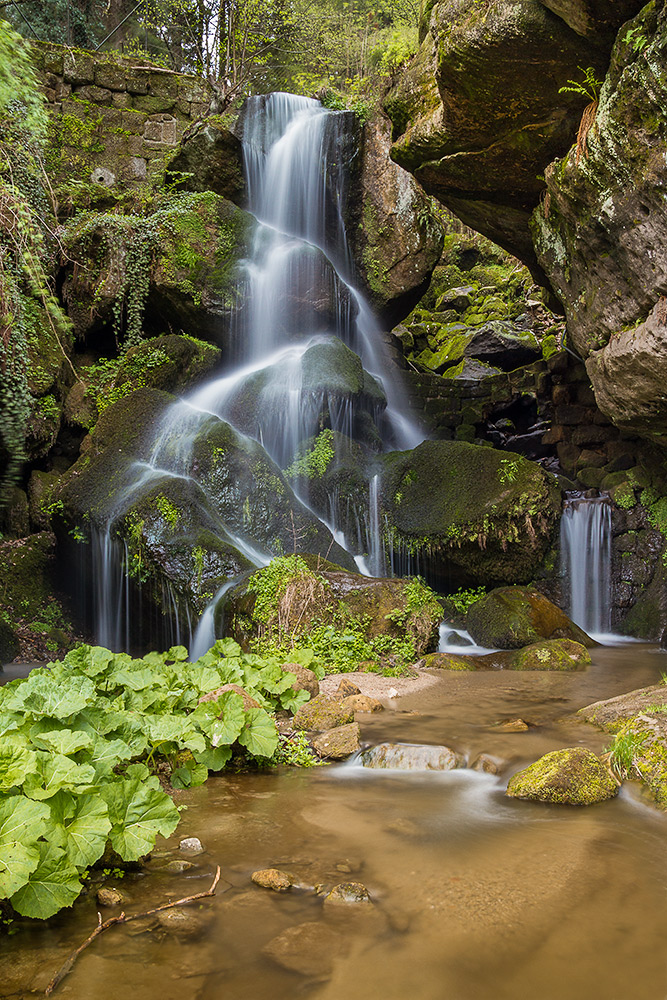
[304, 316]
[585, 539]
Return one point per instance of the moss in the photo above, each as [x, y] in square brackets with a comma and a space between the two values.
[553, 654]
[574, 776]
[514, 617]
[169, 512]
[315, 462]
[639, 751]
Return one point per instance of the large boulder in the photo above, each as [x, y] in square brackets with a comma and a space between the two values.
[209, 158]
[514, 617]
[474, 515]
[612, 713]
[570, 777]
[412, 757]
[600, 232]
[481, 104]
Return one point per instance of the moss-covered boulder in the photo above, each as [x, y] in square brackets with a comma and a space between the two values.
[639, 751]
[552, 654]
[322, 713]
[612, 713]
[571, 777]
[473, 514]
[338, 743]
[171, 363]
[178, 267]
[481, 103]
[514, 617]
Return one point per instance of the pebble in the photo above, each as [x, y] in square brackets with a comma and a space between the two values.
[512, 726]
[191, 845]
[485, 763]
[272, 878]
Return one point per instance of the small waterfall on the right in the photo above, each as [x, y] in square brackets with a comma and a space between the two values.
[585, 541]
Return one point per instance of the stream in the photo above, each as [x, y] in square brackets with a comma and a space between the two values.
[474, 895]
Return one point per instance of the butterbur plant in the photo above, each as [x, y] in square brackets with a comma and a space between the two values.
[81, 740]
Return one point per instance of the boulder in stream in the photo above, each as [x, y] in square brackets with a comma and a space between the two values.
[514, 617]
[338, 743]
[573, 776]
[612, 713]
[412, 757]
[322, 713]
[310, 948]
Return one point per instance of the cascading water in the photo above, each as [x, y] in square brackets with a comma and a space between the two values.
[304, 317]
[585, 539]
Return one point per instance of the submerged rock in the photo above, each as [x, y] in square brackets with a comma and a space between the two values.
[514, 617]
[272, 878]
[180, 922]
[347, 894]
[412, 757]
[309, 949]
[574, 777]
[486, 764]
[338, 743]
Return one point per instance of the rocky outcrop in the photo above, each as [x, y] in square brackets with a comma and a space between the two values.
[394, 234]
[479, 114]
[601, 231]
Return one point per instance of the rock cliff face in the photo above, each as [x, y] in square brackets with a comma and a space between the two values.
[601, 233]
[479, 115]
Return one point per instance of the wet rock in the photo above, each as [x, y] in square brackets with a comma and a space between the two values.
[573, 776]
[346, 894]
[338, 743]
[180, 922]
[447, 661]
[551, 654]
[514, 617]
[643, 740]
[612, 713]
[305, 678]
[248, 700]
[485, 763]
[310, 949]
[108, 896]
[322, 713]
[191, 845]
[177, 866]
[210, 158]
[362, 703]
[346, 688]
[512, 726]
[412, 757]
[490, 521]
[499, 344]
[272, 878]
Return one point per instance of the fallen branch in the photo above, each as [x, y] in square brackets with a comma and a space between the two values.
[122, 919]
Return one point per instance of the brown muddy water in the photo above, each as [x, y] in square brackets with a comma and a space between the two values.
[475, 896]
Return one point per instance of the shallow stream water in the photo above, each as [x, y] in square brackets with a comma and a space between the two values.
[475, 896]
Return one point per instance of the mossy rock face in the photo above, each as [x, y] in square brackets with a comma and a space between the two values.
[552, 654]
[644, 738]
[448, 661]
[478, 515]
[322, 713]
[209, 159]
[183, 262]
[570, 777]
[465, 119]
[514, 617]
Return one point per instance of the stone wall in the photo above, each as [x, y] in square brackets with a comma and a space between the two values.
[114, 120]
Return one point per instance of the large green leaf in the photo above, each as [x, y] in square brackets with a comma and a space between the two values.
[259, 734]
[22, 823]
[226, 729]
[138, 811]
[53, 884]
[189, 777]
[106, 754]
[92, 661]
[214, 759]
[43, 694]
[81, 825]
[64, 741]
[54, 771]
[16, 763]
[135, 680]
[205, 679]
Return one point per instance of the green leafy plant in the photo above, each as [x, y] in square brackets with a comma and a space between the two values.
[82, 743]
[636, 39]
[463, 598]
[588, 86]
